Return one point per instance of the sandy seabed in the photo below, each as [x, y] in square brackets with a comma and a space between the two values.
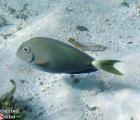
[96, 96]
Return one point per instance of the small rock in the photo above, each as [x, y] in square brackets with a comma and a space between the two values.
[129, 42]
[71, 75]
[91, 108]
[24, 7]
[24, 17]
[69, 9]
[17, 16]
[11, 10]
[125, 4]
[94, 108]
[30, 99]
[81, 28]
[3, 21]
[41, 113]
[22, 81]
[41, 83]
[10, 31]
[28, 109]
[76, 81]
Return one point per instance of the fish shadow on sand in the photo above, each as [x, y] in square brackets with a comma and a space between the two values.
[93, 83]
[85, 83]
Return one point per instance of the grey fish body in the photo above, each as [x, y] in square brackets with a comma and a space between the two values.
[58, 57]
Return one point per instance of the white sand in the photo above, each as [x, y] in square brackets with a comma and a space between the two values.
[98, 96]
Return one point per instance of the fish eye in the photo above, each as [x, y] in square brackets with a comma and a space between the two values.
[26, 49]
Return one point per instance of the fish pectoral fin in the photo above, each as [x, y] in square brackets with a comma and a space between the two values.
[40, 61]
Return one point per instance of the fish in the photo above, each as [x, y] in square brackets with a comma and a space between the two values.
[87, 47]
[54, 56]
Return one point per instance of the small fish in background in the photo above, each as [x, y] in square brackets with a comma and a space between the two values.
[58, 57]
[88, 47]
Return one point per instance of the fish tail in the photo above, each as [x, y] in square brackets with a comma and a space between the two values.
[107, 65]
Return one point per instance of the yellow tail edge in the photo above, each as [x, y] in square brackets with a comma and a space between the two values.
[107, 65]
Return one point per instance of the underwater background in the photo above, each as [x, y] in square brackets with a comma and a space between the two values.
[96, 96]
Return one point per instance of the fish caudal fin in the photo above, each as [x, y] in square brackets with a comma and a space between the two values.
[106, 65]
